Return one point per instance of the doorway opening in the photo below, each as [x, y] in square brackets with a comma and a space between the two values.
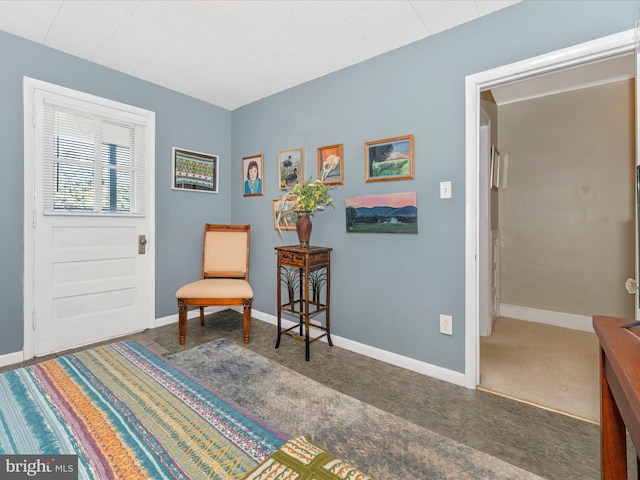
[477, 190]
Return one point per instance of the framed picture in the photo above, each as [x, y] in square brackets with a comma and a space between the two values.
[252, 174]
[290, 168]
[382, 213]
[389, 159]
[285, 217]
[330, 165]
[194, 171]
[495, 168]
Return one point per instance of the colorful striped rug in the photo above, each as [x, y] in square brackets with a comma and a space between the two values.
[129, 414]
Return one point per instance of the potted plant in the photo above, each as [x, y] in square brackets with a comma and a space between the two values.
[308, 197]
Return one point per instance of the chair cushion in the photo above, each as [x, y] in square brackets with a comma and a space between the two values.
[216, 288]
[225, 252]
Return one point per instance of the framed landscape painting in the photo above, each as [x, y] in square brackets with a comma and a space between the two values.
[389, 159]
[383, 213]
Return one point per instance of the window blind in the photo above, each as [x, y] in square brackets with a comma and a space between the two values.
[93, 163]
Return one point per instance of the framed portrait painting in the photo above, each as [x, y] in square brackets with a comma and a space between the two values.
[389, 159]
[194, 171]
[252, 174]
[290, 168]
[330, 165]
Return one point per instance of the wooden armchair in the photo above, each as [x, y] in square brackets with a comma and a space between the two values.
[225, 276]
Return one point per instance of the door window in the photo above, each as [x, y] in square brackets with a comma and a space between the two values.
[93, 164]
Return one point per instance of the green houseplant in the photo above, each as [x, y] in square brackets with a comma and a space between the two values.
[307, 197]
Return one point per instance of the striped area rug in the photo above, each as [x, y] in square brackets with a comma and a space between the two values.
[129, 414]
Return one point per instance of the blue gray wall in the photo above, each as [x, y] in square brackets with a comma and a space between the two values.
[180, 121]
[387, 289]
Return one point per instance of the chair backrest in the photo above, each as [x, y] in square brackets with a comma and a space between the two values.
[225, 252]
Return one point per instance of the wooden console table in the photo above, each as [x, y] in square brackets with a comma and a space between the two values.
[620, 393]
[305, 273]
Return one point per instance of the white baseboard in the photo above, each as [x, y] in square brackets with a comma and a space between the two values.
[418, 366]
[557, 319]
[169, 319]
[11, 358]
[18, 357]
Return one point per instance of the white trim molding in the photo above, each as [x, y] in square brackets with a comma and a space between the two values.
[595, 50]
[557, 319]
[424, 368]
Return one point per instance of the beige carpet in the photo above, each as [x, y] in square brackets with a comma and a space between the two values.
[553, 367]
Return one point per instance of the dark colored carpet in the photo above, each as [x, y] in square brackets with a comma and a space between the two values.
[379, 443]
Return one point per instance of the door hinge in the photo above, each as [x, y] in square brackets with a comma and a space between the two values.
[33, 320]
[34, 219]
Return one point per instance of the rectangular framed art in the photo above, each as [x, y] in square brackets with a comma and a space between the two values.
[252, 175]
[495, 168]
[194, 171]
[389, 159]
[382, 213]
[330, 165]
[290, 168]
[286, 219]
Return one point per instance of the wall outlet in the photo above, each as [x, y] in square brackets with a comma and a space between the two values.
[446, 324]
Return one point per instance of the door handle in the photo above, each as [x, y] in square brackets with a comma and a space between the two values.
[631, 285]
[142, 242]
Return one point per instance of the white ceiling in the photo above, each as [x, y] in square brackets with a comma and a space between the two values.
[233, 52]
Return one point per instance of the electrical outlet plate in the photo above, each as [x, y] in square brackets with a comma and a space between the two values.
[445, 189]
[446, 324]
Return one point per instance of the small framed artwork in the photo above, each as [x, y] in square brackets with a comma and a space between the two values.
[284, 215]
[194, 171]
[290, 168]
[389, 159]
[330, 167]
[495, 168]
[252, 174]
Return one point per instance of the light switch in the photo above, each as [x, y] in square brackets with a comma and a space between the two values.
[445, 189]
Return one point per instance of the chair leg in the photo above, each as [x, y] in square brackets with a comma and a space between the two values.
[246, 319]
[182, 320]
[202, 316]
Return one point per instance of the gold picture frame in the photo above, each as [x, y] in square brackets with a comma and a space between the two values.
[253, 165]
[389, 159]
[290, 168]
[285, 217]
[331, 164]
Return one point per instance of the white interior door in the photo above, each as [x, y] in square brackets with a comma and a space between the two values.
[89, 273]
[89, 284]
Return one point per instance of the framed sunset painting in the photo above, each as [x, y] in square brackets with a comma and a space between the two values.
[382, 213]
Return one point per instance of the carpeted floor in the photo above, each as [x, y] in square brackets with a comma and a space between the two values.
[385, 446]
[556, 368]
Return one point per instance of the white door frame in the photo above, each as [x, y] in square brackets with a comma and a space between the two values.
[476, 191]
[29, 202]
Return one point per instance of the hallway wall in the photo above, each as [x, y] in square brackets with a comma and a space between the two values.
[567, 216]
